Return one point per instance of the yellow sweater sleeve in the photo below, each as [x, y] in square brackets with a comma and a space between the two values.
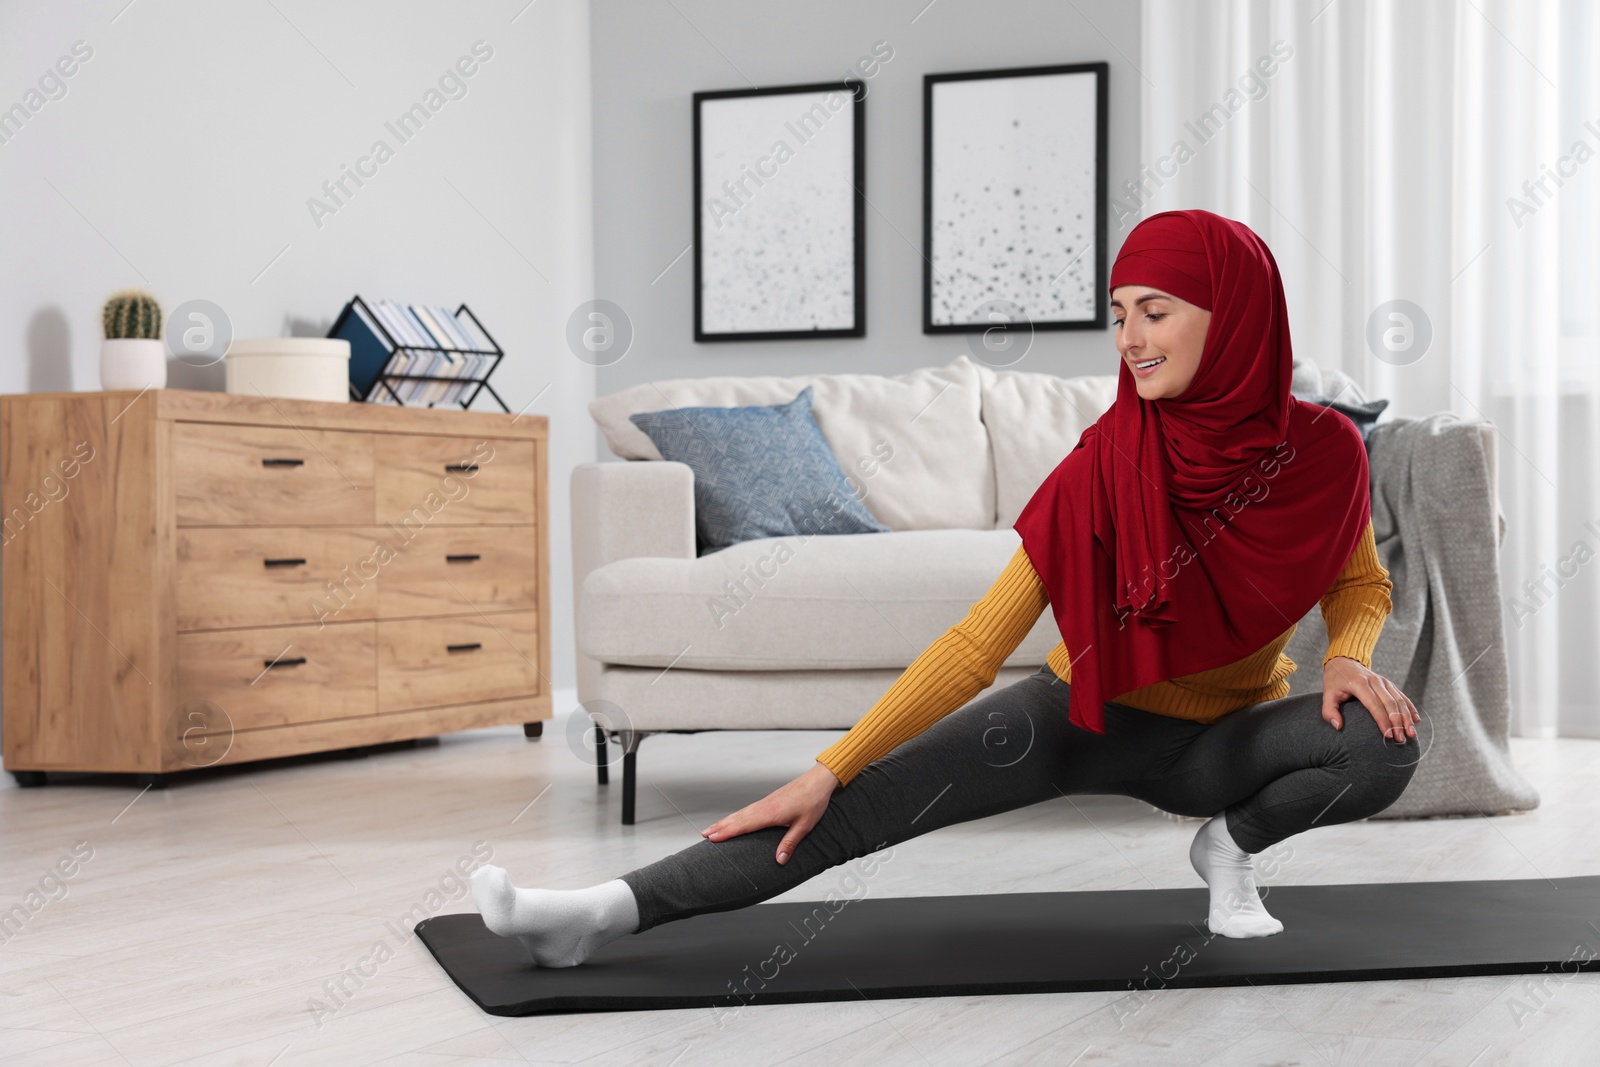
[951, 671]
[1355, 608]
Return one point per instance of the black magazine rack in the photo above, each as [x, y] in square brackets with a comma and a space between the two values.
[377, 354]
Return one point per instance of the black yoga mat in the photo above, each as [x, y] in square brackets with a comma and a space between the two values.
[875, 947]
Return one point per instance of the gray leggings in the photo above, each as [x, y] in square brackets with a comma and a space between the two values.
[1274, 768]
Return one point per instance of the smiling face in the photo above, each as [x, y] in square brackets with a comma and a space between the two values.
[1153, 325]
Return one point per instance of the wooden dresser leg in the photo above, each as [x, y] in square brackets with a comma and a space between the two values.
[29, 779]
[153, 781]
[533, 730]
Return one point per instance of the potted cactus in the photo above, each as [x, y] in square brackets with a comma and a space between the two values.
[132, 355]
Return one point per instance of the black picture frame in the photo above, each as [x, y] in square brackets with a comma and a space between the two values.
[1101, 73]
[856, 91]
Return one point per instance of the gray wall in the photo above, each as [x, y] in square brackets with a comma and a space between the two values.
[649, 58]
[183, 153]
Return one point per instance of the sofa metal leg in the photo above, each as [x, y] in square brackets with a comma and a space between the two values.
[630, 745]
[629, 778]
[600, 754]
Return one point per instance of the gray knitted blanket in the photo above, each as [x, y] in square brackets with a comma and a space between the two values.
[1438, 534]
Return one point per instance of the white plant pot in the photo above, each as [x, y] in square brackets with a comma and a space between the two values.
[296, 368]
[132, 363]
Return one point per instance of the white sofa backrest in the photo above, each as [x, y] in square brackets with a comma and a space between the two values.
[1033, 421]
[969, 443]
[939, 474]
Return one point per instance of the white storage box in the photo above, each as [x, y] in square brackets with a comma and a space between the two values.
[298, 368]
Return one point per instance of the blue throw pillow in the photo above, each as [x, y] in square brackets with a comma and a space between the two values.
[1364, 415]
[760, 471]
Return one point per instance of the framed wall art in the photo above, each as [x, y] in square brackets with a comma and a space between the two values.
[779, 212]
[1014, 198]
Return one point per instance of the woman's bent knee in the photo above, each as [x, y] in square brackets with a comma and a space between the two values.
[1377, 769]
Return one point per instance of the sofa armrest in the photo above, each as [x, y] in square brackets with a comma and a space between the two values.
[622, 510]
[630, 508]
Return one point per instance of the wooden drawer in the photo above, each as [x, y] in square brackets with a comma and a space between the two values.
[270, 476]
[273, 575]
[319, 673]
[461, 570]
[458, 481]
[426, 663]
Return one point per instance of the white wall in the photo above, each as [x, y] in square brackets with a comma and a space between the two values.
[650, 57]
[184, 150]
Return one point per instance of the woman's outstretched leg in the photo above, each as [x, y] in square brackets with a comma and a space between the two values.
[1002, 751]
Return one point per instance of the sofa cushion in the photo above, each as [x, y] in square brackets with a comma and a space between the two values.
[1311, 378]
[913, 445]
[759, 471]
[798, 603]
[1033, 421]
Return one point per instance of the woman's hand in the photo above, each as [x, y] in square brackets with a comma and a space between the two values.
[1343, 678]
[798, 805]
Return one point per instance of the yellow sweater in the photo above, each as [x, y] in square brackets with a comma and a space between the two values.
[964, 661]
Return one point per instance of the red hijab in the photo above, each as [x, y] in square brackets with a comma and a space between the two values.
[1185, 533]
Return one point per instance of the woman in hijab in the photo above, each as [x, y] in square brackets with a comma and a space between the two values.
[1176, 545]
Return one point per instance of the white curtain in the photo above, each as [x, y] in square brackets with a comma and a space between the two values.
[1445, 153]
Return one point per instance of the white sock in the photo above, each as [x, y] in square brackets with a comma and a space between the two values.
[1229, 872]
[558, 927]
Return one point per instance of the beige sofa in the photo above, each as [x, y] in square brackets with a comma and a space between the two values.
[806, 633]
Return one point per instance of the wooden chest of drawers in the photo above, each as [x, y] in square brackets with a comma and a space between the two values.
[194, 578]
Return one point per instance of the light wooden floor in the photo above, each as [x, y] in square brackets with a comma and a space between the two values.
[212, 914]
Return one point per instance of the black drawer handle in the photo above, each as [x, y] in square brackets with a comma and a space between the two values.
[472, 647]
[462, 468]
[271, 663]
[283, 562]
[270, 462]
[464, 557]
